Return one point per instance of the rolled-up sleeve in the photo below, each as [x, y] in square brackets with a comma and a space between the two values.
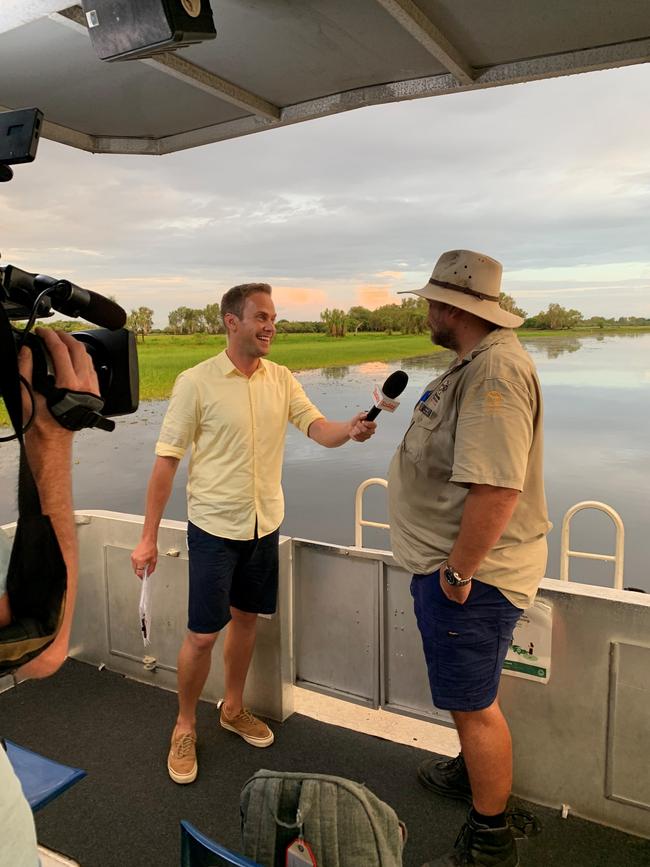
[302, 411]
[181, 419]
[494, 435]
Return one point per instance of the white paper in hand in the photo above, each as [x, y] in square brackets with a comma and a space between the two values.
[145, 608]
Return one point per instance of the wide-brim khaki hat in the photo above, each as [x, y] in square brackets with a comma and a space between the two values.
[471, 281]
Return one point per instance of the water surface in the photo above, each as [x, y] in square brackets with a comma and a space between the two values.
[597, 447]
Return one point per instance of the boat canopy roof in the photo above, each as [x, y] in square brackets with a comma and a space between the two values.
[279, 62]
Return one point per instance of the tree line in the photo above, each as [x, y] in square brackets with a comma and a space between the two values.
[408, 317]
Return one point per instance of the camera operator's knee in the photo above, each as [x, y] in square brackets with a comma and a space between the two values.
[46, 664]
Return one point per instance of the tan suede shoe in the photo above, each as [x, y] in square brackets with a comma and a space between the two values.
[247, 726]
[181, 762]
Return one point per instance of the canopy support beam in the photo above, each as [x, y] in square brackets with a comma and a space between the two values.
[413, 20]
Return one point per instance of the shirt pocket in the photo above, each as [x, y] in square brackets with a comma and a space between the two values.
[419, 434]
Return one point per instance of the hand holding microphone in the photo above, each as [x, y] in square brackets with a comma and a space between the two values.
[360, 428]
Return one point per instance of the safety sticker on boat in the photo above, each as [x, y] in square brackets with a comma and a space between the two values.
[529, 654]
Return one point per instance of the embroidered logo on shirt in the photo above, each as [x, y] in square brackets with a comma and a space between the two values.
[493, 401]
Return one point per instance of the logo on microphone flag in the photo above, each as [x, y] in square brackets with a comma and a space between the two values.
[388, 404]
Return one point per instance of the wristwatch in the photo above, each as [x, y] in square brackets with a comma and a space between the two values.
[452, 577]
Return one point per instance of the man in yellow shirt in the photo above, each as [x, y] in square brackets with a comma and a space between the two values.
[232, 410]
[468, 518]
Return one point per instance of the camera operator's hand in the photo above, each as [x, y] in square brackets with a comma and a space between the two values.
[73, 369]
[49, 452]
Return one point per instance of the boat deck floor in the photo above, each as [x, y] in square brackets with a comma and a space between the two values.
[125, 813]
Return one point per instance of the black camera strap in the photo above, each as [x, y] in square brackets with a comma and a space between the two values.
[28, 500]
[37, 575]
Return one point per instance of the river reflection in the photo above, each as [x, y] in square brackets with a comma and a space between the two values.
[335, 372]
[554, 347]
[597, 447]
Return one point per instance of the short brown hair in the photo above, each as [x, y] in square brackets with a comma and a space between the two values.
[234, 299]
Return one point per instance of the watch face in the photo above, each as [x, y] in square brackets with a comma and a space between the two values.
[450, 576]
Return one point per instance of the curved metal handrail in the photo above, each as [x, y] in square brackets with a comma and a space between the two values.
[359, 522]
[565, 551]
[616, 558]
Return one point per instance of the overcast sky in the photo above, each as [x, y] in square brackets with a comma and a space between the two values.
[551, 178]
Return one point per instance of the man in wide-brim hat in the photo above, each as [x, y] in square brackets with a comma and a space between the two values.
[468, 518]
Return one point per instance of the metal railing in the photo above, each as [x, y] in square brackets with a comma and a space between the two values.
[359, 522]
[616, 558]
[565, 551]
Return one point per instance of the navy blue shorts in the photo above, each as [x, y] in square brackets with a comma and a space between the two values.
[225, 572]
[464, 645]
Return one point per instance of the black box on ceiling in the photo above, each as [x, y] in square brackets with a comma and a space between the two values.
[20, 132]
[128, 29]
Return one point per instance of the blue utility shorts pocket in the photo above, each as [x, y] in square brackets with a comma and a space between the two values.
[464, 645]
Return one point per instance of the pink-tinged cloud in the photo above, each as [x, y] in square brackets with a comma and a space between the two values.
[375, 296]
[393, 275]
[290, 300]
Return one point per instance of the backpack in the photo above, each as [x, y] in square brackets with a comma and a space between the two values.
[343, 822]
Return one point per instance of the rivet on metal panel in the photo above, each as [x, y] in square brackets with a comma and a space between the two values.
[173, 552]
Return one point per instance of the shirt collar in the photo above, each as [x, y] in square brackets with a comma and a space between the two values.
[227, 368]
[498, 335]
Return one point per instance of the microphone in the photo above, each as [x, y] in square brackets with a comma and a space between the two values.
[392, 388]
[74, 301]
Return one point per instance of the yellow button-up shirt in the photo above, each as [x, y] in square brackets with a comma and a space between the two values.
[236, 428]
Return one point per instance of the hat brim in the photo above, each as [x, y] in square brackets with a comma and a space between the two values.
[491, 311]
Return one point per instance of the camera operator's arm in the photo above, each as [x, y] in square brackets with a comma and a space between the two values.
[158, 492]
[49, 452]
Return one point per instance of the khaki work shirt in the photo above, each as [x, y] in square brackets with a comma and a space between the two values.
[236, 428]
[479, 423]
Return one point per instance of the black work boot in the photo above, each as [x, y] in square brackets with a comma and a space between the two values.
[446, 777]
[481, 846]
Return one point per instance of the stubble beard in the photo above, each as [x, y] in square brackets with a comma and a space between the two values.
[259, 348]
[445, 338]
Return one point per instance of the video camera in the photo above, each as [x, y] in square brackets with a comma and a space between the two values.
[26, 296]
[112, 349]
